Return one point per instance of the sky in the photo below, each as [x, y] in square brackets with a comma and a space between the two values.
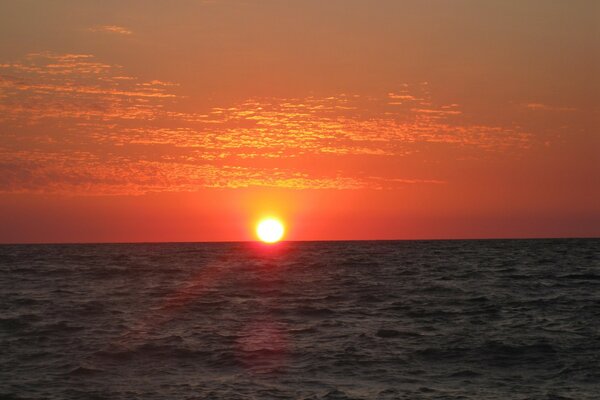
[129, 121]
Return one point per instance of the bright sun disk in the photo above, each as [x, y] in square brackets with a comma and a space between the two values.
[270, 230]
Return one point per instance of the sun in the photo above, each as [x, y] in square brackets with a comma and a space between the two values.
[270, 230]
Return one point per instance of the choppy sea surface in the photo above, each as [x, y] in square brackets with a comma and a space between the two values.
[488, 319]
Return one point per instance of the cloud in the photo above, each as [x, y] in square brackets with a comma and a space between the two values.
[73, 124]
[111, 29]
[546, 107]
[75, 86]
[404, 96]
[85, 173]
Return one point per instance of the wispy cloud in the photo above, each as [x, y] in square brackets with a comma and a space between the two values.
[546, 107]
[76, 86]
[111, 29]
[86, 173]
[73, 124]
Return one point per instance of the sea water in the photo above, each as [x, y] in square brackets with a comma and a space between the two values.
[484, 319]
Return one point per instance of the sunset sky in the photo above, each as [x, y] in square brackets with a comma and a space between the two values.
[191, 120]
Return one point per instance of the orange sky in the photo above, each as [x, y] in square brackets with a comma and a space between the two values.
[188, 121]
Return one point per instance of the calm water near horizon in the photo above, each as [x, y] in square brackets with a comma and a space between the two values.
[471, 319]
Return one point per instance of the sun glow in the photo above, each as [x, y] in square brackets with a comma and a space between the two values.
[270, 230]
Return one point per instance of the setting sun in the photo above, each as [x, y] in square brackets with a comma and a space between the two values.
[270, 230]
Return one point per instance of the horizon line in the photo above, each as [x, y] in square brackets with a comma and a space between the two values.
[306, 241]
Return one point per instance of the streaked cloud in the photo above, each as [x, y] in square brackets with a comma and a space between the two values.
[73, 124]
[86, 173]
[546, 107]
[112, 29]
[75, 86]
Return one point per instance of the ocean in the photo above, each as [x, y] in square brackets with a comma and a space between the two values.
[473, 319]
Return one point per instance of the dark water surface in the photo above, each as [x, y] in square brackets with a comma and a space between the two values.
[495, 319]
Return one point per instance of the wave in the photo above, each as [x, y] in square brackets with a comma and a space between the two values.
[478, 320]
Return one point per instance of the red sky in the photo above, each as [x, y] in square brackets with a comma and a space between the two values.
[188, 121]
